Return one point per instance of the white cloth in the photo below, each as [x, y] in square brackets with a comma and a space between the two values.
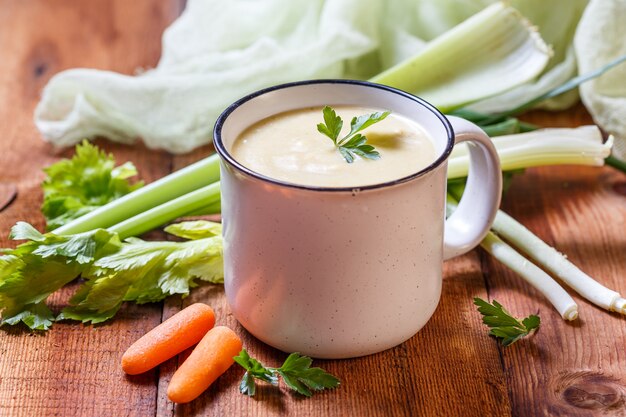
[601, 38]
[213, 54]
[218, 51]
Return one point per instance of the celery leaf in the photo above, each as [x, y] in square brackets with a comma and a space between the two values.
[197, 229]
[144, 272]
[35, 269]
[112, 272]
[37, 316]
[74, 187]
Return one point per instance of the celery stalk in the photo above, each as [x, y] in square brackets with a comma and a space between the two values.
[189, 203]
[179, 183]
[487, 54]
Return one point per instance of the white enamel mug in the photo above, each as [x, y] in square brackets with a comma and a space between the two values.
[345, 272]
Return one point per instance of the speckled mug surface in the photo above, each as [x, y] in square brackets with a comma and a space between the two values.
[345, 272]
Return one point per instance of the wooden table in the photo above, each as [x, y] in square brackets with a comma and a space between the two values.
[450, 368]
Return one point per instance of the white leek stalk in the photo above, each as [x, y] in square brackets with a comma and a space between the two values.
[582, 146]
[555, 262]
[579, 146]
[535, 276]
[491, 52]
[544, 283]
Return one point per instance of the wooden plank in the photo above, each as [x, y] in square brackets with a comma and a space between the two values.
[74, 369]
[451, 367]
[568, 369]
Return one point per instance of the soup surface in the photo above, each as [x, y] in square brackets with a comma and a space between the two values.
[289, 148]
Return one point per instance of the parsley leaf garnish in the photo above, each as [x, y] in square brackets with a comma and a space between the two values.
[503, 325]
[296, 372]
[353, 143]
[254, 370]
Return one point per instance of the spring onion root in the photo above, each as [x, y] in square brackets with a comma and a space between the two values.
[555, 262]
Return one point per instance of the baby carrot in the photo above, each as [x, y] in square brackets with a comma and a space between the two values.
[184, 329]
[210, 359]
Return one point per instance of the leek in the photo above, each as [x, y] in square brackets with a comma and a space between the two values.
[535, 276]
[555, 262]
[580, 146]
[568, 86]
[491, 52]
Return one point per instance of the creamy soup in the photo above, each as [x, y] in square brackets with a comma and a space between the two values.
[288, 147]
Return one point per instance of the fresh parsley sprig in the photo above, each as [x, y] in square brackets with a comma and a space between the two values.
[503, 325]
[353, 143]
[296, 372]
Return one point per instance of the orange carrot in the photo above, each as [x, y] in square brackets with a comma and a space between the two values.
[210, 359]
[184, 329]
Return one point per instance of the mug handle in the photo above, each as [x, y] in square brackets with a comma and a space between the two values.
[470, 222]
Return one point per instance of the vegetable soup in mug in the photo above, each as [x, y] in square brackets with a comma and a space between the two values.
[288, 147]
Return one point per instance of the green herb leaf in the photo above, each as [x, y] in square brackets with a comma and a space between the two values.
[333, 124]
[193, 230]
[74, 187]
[347, 154]
[296, 372]
[503, 325]
[362, 122]
[143, 271]
[37, 316]
[36, 269]
[299, 376]
[247, 386]
[353, 143]
[254, 370]
[112, 272]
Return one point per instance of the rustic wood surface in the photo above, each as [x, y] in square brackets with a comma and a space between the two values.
[450, 368]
